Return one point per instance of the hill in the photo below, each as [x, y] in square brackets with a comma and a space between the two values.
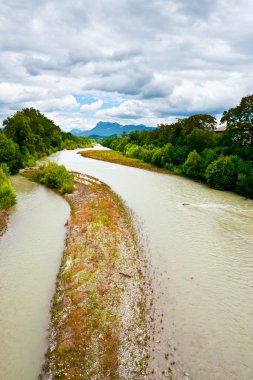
[108, 129]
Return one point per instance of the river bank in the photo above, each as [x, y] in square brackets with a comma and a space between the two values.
[99, 311]
[118, 158]
[4, 216]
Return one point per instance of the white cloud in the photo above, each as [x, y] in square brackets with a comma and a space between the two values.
[157, 60]
[67, 102]
[92, 106]
[129, 109]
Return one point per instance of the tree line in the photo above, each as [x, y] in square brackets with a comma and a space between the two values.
[27, 136]
[191, 147]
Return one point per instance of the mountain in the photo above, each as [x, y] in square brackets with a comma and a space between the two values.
[107, 129]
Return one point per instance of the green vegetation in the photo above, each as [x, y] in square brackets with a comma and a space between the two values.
[99, 307]
[7, 193]
[29, 135]
[54, 176]
[118, 158]
[191, 147]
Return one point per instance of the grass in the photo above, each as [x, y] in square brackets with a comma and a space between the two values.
[91, 335]
[119, 158]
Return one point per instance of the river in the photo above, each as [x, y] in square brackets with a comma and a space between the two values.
[30, 254]
[202, 256]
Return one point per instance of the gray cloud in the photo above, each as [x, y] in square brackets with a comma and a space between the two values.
[147, 61]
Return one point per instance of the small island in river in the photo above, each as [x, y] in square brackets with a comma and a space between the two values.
[99, 310]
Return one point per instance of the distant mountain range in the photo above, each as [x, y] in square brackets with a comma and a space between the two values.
[107, 129]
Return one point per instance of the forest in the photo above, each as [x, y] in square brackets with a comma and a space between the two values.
[192, 148]
[27, 136]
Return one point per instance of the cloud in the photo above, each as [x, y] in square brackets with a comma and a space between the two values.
[92, 106]
[129, 109]
[144, 61]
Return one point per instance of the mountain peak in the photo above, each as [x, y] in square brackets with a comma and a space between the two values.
[105, 129]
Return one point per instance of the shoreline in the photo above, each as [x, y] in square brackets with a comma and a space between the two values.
[4, 217]
[99, 315]
[118, 158]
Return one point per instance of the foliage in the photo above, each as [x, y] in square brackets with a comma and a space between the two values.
[200, 139]
[54, 176]
[7, 192]
[244, 183]
[189, 146]
[221, 174]
[192, 165]
[29, 135]
[9, 152]
[240, 122]
[118, 158]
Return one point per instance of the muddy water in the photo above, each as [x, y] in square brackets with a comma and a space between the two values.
[202, 253]
[30, 254]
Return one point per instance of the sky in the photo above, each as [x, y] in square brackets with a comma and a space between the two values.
[126, 61]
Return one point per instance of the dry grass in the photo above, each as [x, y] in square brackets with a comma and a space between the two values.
[97, 313]
[119, 158]
[4, 216]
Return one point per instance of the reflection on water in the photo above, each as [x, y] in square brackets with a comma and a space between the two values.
[30, 253]
[204, 254]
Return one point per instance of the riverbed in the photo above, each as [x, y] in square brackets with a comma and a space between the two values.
[200, 245]
[30, 255]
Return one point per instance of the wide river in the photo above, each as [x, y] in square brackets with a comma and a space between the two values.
[202, 254]
[202, 259]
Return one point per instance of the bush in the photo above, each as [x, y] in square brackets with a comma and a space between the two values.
[192, 165]
[54, 176]
[146, 154]
[244, 184]
[157, 157]
[7, 192]
[133, 151]
[221, 174]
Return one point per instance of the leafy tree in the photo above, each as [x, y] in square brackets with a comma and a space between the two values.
[167, 154]
[221, 174]
[133, 150]
[29, 135]
[157, 157]
[244, 183]
[200, 139]
[240, 122]
[192, 165]
[9, 153]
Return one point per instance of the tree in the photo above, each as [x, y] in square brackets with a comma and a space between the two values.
[200, 121]
[192, 165]
[221, 174]
[9, 153]
[200, 139]
[32, 131]
[240, 122]
[244, 184]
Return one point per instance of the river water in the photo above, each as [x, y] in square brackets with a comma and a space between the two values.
[202, 254]
[30, 254]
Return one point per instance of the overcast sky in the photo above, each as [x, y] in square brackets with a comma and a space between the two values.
[130, 61]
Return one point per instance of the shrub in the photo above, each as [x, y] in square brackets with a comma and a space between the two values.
[167, 154]
[244, 184]
[192, 165]
[157, 157]
[146, 154]
[7, 192]
[133, 151]
[221, 174]
[54, 176]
